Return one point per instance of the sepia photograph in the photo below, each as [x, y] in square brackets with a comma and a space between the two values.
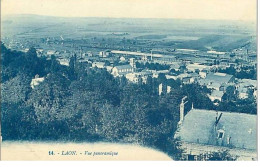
[131, 80]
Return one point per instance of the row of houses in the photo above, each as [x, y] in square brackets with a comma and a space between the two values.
[201, 74]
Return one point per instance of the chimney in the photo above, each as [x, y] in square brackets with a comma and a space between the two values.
[160, 89]
[182, 109]
[217, 119]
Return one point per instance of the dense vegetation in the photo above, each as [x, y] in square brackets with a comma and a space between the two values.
[231, 102]
[79, 103]
[221, 155]
[152, 66]
[244, 73]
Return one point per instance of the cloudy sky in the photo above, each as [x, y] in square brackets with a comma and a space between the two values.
[186, 9]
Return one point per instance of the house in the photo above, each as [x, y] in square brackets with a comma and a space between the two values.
[243, 86]
[109, 68]
[36, 81]
[196, 66]
[242, 93]
[216, 80]
[220, 77]
[106, 53]
[156, 73]
[98, 64]
[216, 95]
[165, 60]
[203, 73]
[195, 77]
[122, 70]
[135, 77]
[163, 88]
[63, 61]
[51, 52]
[187, 80]
[175, 66]
[122, 59]
[202, 131]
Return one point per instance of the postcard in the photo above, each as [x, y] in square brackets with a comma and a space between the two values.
[157, 80]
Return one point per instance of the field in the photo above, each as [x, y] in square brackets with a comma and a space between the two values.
[189, 34]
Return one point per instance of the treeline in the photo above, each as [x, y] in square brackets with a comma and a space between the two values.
[232, 102]
[244, 73]
[152, 66]
[79, 103]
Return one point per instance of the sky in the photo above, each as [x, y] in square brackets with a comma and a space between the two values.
[180, 9]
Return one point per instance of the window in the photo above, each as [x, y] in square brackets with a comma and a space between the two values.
[221, 134]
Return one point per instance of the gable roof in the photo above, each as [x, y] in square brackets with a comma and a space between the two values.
[219, 77]
[198, 127]
[217, 93]
[127, 66]
[99, 63]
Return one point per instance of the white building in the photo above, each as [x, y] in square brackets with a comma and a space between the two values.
[122, 70]
[202, 131]
[98, 64]
[216, 95]
[36, 81]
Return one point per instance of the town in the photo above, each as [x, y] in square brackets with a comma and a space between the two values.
[213, 69]
[119, 80]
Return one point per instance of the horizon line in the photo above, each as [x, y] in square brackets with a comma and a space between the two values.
[109, 17]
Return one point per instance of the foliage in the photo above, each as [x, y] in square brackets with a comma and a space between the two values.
[221, 155]
[243, 73]
[152, 66]
[89, 104]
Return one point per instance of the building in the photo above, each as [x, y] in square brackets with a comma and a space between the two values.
[132, 63]
[244, 86]
[163, 88]
[36, 81]
[216, 80]
[122, 70]
[136, 77]
[216, 95]
[156, 73]
[98, 64]
[203, 73]
[63, 61]
[165, 60]
[133, 77]
[197, 66]
[220, 77]
[242, 92]
[106, 53]
[202, 131]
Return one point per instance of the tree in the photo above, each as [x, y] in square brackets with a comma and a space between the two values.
[16, 89]
[221, 155]
[48, 98]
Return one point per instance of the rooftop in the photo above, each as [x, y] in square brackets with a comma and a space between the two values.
[127, 66]
[219, 77]
[198, 127]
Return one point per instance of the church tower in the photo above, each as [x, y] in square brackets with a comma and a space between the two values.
[132, 63]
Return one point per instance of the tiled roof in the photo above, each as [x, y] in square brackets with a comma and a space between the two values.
[219, 77]
[127, 66]
[199, 127]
